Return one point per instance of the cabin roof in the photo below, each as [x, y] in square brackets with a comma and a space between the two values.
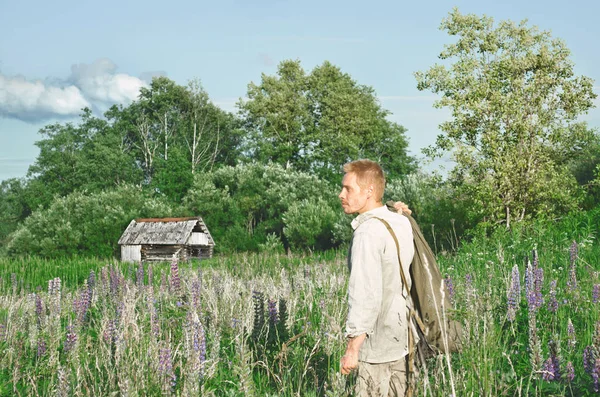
[163, 231]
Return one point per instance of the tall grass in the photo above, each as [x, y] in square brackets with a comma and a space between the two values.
[268, 325]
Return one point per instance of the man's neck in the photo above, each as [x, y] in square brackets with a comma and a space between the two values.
[371, 206]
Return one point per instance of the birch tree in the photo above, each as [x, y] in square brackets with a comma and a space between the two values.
[203, 142]
[515, 102]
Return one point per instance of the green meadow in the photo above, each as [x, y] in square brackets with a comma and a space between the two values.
[272, 325]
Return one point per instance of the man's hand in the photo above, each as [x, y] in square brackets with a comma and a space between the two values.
[402, 207]
[349, 363]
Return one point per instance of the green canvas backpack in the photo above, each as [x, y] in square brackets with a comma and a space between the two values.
[437, 329]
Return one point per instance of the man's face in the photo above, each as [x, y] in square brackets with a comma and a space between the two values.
[353, 198]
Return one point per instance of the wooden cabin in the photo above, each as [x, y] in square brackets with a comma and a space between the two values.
[166, 239]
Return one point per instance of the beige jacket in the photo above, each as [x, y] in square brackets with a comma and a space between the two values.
[376, 302]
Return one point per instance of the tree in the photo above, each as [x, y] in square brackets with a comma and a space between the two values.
[276, 115]
[210, 134]
[13, 208]
[90, 155]
[246, 204]
[317, 122]
[515, 100]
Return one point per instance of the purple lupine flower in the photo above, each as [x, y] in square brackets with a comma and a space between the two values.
[39, 309]
[272, 308]
[175, 280]
[551, 370]
[548, 369]
[110, 332]
[115, 281]
[165, 364]
[119, 311]
[449, 287]
[104, 280]
[92, 280]
[530, 288]
[534, 279]
[41, 347]
[514, 294]
[538, 283]
[588, 359]
[54, 292]
[572, 341]
[570, 372]
[235, 322]
[596, 294]
[572, 280]
[573, 253]
[165, 367]
[139, 275]
[196, 290]
[199, 345]
[596, 375]
[82, 304]
[536, 260]
[54, 286]
[71, 339]
[552, 302]
[469, 279]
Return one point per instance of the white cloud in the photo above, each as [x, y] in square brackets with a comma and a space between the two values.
[32, 100]
[99, 82]
[95, 85]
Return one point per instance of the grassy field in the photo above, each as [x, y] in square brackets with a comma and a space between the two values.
[269, 325]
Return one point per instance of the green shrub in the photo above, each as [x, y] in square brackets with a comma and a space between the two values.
[309, 224]
[84, 224]
[243, 205]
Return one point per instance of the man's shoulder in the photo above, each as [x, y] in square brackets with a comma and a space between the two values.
[394, 219]
[374, 224]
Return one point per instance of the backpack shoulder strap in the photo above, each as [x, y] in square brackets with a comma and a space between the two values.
[413, 313]
[402, 275]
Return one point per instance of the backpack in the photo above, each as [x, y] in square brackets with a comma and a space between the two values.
[437, 330]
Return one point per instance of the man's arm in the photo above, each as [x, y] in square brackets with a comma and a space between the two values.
[349, 360]
[364, 294]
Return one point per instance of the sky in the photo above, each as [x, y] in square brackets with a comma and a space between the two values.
[58, 57]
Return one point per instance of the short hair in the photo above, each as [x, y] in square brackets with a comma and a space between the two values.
[368, 173]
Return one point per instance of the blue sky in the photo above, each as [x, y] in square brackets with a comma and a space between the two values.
[56, 56]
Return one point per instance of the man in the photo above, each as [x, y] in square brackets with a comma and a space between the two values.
[377, 324]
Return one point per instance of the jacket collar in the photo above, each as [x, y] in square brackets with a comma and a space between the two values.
[365, 216]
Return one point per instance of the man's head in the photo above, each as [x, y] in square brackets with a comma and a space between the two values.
[362, 186]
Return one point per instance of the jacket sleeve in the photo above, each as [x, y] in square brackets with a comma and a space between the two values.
[365, 285]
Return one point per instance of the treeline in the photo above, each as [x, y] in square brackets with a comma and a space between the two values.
[266, 177]
[263, 177]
